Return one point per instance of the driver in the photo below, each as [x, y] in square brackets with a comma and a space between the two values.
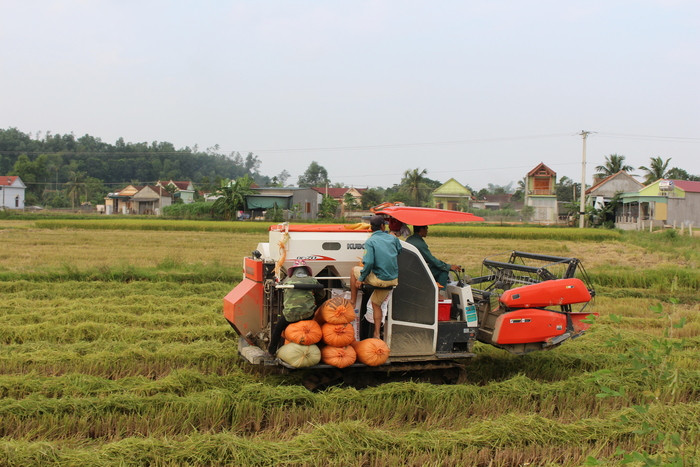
[439, 269]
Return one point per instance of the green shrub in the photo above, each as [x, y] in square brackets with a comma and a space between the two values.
[198, 210]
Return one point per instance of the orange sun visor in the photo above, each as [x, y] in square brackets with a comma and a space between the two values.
[427, 216]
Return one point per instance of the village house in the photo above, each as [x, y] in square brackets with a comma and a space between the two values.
[12, 192]
[605, 189]
[339, 195]
[540, 193]
[151, 200]
[304, 201]
[664, 202]
[452, 195]
[183, 190]
[493, 202]
[145, 200]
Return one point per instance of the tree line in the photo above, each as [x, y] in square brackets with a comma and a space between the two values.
[51, 164]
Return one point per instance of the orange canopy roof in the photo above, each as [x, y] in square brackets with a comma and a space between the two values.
[428, 216]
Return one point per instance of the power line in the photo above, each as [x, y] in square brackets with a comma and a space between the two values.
[184, 152]
[451, 171]
[687, 139]
[406, 145]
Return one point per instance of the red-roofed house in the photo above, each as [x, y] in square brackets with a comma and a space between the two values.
[11, 192]
[664, 202]
[183, 190]
[338, 194]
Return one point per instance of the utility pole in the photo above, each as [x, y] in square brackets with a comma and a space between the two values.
[582, 206]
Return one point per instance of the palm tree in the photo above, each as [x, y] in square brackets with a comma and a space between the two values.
[76, 186]
[657, 169]
[232, 196]
[613, 164]
[414, 185]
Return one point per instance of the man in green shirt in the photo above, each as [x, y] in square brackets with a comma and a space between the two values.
[439, 269]
[380, 269]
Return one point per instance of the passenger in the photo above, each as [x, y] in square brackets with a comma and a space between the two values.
[298, 303]
[381, 269]
[397, 228]
[439, 269]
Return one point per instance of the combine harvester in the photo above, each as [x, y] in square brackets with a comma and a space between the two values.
[525, 302]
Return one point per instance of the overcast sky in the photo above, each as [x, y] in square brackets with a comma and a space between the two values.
[481, 91]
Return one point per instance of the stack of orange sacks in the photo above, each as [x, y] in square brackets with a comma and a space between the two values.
[332, 328]
[336, 316]
[300, 339]
[342, 350]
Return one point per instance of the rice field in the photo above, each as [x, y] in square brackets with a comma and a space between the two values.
[115, 352]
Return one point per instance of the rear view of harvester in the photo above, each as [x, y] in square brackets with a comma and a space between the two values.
[524, 303]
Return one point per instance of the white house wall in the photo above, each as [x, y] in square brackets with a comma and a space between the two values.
[682, 210]
[12, 197]
[545, 208]
[313, 198]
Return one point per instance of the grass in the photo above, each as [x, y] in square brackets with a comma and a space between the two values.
[114, 351]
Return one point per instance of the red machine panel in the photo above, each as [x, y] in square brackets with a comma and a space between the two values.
[253, 269]
[529, 325]
[577, 320]
[547, 293]
[243, 307]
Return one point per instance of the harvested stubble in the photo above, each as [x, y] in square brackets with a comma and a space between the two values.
[137, 366]
[504, 440]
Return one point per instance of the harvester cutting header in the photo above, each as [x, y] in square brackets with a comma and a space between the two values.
[524, 302]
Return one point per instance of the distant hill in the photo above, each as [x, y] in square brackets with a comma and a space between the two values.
[53, 157]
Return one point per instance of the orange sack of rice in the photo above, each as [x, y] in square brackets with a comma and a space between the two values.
[338, 335]
[371, 352]
[340, 357]
[305, 332]
[337, 310]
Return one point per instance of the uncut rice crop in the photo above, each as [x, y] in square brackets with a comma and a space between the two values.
[525, 233]
[125, 223]
[102, 253]
[483, 231]
[116, 353]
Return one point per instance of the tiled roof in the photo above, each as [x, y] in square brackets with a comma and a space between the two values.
[161, 191]
[332, 192]
[688, 186]
[538, 168]
[7, 180]
[181, 185]
[502, 198]
[610, 177]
